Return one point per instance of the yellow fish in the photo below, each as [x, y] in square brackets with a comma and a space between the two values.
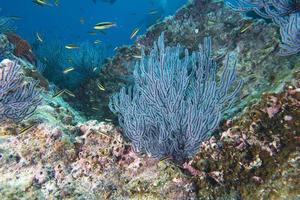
[153, 12]
[71, 46]
[97, 42]
[246, 27]
[67, 70]
[101, 87]
[41, 3]
[26, 128]
[39, 38]
[134, 32]
[137, 56]
[93, 108]
[59, 93]
[105, 135]
[104, 25]
[15, 17]
[165, 158]
[70, 93]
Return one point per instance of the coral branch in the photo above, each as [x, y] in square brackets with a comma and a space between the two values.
[175, 103]
[18, 97]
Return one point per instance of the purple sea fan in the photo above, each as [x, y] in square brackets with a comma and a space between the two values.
[175, 103]
[290, 35]
[19, 97]
[284, 13]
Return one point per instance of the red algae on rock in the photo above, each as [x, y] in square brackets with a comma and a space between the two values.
[22, 48]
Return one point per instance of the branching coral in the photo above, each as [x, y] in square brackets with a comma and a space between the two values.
[285, 13]
[18, 97]
[175, 103]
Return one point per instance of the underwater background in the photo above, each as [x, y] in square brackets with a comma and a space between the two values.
[70, 22]
[149, 99]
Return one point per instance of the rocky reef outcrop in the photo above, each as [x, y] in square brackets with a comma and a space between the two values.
[59, 154]
[255, 156]
[256, 43]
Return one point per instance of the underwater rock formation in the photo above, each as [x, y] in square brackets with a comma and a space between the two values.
[257, 155]
[22, 48]
[284, 13]
[188, 27]
[254, 156]
[63, 156]
[59, 154]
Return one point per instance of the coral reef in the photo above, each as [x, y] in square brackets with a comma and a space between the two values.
[188, 27]
[88, 161]
[284, 13]
[18, 97]
[63, 156]
[176, 101]
[255, 156]
[5, 47]
[57, 154]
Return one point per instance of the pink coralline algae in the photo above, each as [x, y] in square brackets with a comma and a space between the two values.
[97, 164]
[274, 108]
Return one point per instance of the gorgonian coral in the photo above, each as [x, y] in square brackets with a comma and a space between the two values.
[284, 13]
[19, 97]
[175, 103]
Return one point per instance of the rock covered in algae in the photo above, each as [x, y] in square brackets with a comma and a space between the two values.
[60, 155]
[46, 162]
[254, 41]
[255, 156]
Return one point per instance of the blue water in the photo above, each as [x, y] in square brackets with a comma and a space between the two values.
[64, 22]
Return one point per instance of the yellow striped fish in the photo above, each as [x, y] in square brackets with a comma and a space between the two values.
[67, 70]
[101, 87]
